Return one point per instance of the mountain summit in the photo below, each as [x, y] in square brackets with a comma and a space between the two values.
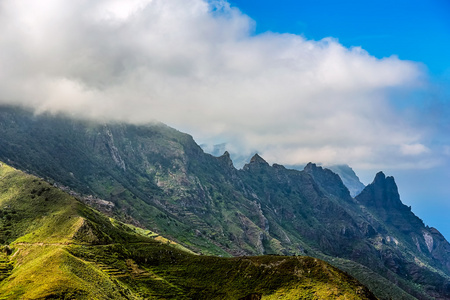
[349, 178]
[54, 247]
[158, 178]
[382, 193]
[256, 162]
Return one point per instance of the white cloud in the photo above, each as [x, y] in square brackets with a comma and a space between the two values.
[197, 66]
[414, 149]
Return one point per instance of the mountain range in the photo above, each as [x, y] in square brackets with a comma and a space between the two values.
[55, 247]
[157, 178]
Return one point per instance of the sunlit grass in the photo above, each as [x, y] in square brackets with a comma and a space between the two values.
[59, 248]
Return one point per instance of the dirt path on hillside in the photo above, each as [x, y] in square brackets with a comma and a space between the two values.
[41, 244]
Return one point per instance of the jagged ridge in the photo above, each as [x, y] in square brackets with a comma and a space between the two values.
[164, 181]
[58, 248]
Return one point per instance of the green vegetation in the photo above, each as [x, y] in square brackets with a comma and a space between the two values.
[161, 271]
[55, 247]
[158, 178]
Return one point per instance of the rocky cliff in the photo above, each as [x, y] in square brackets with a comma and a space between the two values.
[54, 247]
[159, 178]
[349, 178]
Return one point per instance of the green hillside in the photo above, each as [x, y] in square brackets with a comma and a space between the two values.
[54, 247]
[158, 178]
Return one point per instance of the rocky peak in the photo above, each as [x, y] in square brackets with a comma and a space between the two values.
[349, 178]
[226, 159]
[379, 178]
[226, 155]
[328, 180]
[382, 192]
[310, 167]
[383, 199]
[256, 159]
[256, 162]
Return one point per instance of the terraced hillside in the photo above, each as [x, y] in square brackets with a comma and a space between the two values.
[55, 247]
[157, 177]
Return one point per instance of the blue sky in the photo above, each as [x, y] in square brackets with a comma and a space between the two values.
[412, 30]
[364, 83]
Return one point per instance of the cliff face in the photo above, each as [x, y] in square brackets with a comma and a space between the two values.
[160, 178]
[349, 178]
[54, 247]
[382, 199]
[330, 181]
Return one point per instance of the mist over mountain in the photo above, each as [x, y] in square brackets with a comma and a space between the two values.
[200, 67]
[206, 68]
[217, 150]
[295, 121]
[349, 178]
[158, 178]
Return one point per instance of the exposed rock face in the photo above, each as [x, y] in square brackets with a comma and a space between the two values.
[76, 252]
[161, 178]
[382, 199]
[438, 246]
[349, 178]
[329, 180]
[256, 162]
[225, 158]
[114, 152]
[382, 192]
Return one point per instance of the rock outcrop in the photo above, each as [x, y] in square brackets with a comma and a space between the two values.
[161, 178]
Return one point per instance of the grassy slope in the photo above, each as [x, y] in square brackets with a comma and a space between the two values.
[37, 223]
[206, 211]
[172, 187]
[56, 248]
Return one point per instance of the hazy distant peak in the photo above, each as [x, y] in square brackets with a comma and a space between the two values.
[349, 178]
[328, 180]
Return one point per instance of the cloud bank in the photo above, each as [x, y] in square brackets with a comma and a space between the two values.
[197, 65]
